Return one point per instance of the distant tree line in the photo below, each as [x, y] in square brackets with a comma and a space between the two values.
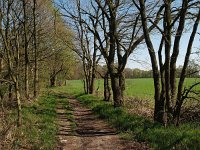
[193, 71]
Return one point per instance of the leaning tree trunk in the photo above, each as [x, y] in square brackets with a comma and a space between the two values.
[158, 109]
[107, 90]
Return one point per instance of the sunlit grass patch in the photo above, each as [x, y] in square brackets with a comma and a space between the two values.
[39, 127]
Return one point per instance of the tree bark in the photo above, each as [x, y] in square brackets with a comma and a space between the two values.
[122, 82]
[117, 90]
[84, 86]
[53, 80]
[167, 32]
[176, 51]
[94, 65]
[26, 52]
[19, 110]
[10, 93]
[36, 78]
[2, 101]
[158, 108]
[107, 90]
[91, 87]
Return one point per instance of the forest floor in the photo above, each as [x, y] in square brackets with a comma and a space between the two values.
[80, 129]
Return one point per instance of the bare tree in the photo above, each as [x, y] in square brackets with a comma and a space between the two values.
[87, 51]
[118, 36]
[174, 20]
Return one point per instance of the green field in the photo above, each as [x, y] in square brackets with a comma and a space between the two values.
[141, 88]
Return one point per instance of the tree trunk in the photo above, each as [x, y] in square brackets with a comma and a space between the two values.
[36, 80]
[177, 112]
[53, 80]
[176, 52]
[26, 52]
[107, 90]
[168, 34]
[158, 109]
[163, 92]
[91, 88]
[87, 77]
[87, 84]
[10, 93]
[93, 76]
[2, 101]
[159, 103]
[84, 86]
[117, 90]
[122, 82]
[19, 109]
[1, 63]
[26, 80]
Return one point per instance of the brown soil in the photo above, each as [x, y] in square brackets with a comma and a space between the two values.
[90, 133]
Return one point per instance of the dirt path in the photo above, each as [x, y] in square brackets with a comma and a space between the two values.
[90, 132]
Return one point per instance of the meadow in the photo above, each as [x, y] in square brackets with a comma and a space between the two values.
[140, 88]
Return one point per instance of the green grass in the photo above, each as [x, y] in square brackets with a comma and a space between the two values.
[73, 88]
[39, 124]
[141, 88]
[39, 127]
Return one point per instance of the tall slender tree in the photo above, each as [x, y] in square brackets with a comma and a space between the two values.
[36, 79]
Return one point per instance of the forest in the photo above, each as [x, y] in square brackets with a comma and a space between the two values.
[99, 74]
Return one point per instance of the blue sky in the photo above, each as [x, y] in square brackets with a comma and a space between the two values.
[142, 53]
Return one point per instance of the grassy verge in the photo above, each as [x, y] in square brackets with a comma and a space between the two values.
[39, 124]
[39, 127]
[187, 136]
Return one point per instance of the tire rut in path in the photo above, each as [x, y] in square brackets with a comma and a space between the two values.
[90, 133]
